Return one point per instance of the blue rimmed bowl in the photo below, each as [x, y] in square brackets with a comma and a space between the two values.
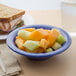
[38, 56]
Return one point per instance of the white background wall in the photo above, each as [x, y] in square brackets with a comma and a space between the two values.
[33, 4]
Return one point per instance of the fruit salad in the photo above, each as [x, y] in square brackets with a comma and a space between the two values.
[39, 40]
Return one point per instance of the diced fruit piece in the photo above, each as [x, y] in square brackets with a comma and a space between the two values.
[24, 34]
[29, 29]
[17, 37]
[56, 46]
[44, 43]
[55, 32]
[43, 31]
[19, 42]
[27, 50]
[48, 31]
[49, 50]
[37, 35]
[31, 45]
[51, 38]
[61, 39]
[40, 50]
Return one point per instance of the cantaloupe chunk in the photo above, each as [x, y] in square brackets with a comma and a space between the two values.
[51, 38]
[29, 29]
[27, 50]
[48, 31]
[55, 32]
[19, 42]
[38, 34]
[44, 43]
[17, 37]
[39, 50]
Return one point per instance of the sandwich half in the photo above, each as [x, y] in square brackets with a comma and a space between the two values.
[10, 18]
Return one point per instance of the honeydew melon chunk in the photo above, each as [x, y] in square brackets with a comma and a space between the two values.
[49, 50]
[24, 34]
[56, 46]
[61, 39]
[31, 45]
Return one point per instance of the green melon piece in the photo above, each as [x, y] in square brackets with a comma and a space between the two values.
[56, 46]
[61, 39]
[31, 45]
[49, 50]
[24, 34]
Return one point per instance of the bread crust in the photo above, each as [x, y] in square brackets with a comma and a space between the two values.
[8, 13]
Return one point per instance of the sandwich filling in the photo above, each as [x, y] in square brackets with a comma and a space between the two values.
[18, 25]
[8, 26]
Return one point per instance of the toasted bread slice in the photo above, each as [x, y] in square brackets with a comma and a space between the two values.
[8, 13]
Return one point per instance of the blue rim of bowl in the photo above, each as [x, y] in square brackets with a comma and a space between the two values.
[12, 46]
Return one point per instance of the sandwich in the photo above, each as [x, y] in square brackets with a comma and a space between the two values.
[10, 18]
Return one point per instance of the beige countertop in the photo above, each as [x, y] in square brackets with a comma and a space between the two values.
[59, 65]
[50, 17]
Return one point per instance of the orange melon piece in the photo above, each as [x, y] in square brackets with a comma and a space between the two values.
[44, 43]
[17, 37]
[25, 49]
[48, 31]
[40, 50]
[19, 42]
[29, 29]
[51, 38]
[38, 34]
[55, 32]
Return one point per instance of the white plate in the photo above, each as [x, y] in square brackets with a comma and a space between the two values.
[3, 37]
[28, 19]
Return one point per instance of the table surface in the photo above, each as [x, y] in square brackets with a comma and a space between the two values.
[59, 65]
